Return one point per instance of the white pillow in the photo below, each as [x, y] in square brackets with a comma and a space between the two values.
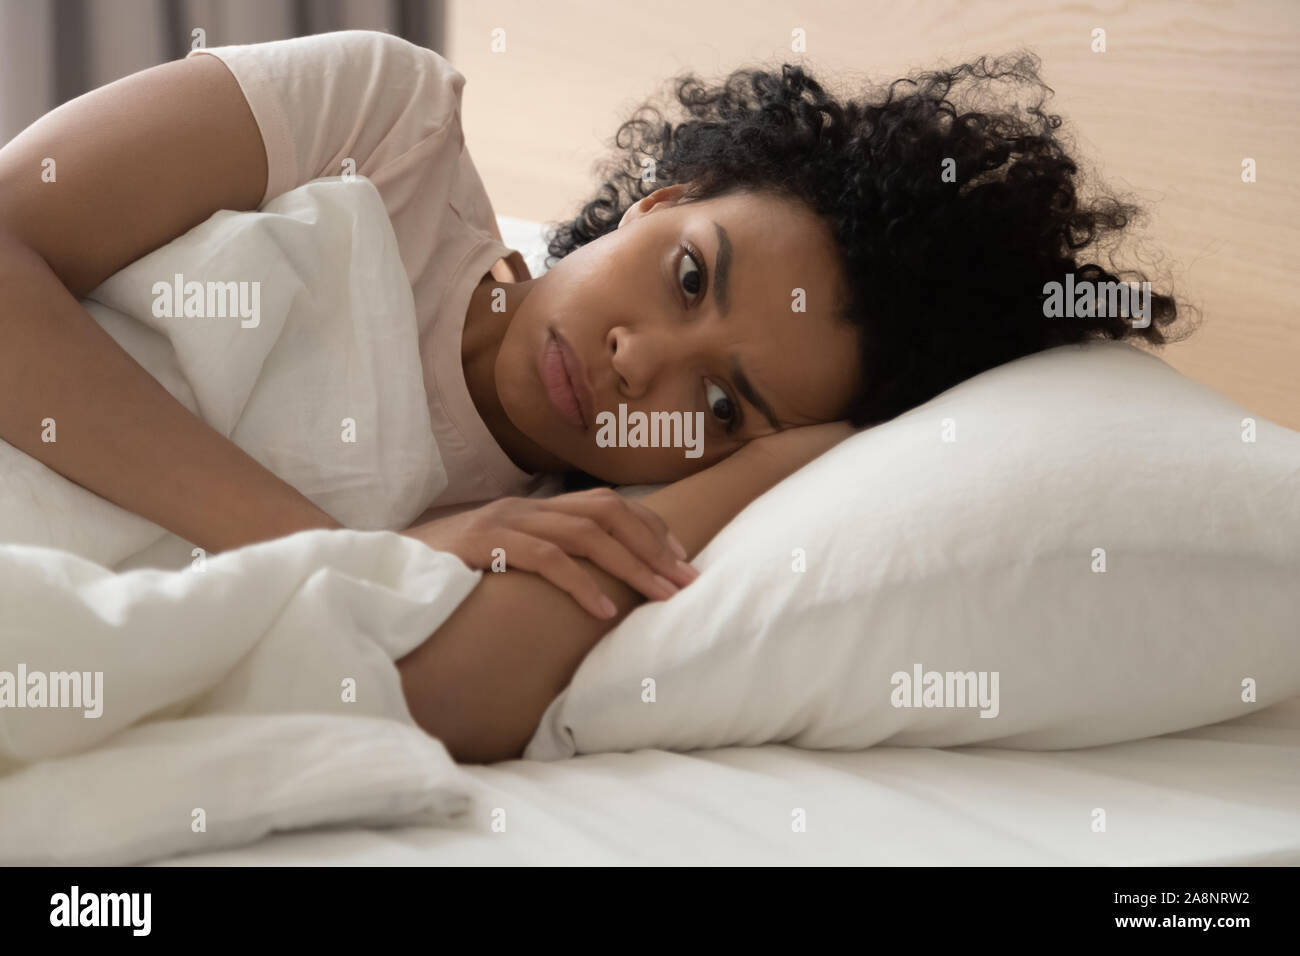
[529, 239]
[982, 553]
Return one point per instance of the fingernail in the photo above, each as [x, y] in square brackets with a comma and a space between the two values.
[676, 546]
[689, 570]
[607, 607]
[665, 586]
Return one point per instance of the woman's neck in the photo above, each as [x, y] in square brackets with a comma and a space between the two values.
[484, 330]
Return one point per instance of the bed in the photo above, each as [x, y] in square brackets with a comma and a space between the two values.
[1227, 793]
[1138, 649]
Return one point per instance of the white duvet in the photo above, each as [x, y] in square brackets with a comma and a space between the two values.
[252, 690]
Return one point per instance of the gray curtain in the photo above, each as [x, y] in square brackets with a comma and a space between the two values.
[52, 51]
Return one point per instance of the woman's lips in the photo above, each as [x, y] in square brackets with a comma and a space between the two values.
[565, 381]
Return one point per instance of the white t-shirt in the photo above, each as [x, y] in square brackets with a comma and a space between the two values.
[393, 110]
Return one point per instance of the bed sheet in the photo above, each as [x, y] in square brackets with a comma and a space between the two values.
[1224, 794]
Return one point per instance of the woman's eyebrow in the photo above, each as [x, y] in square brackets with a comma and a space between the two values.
[746, 389]
[721, 267]
[721, 272]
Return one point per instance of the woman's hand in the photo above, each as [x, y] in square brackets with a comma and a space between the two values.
[544, 535]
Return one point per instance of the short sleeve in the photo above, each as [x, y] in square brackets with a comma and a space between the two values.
[355, 94]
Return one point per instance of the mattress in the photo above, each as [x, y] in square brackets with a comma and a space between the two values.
[1224, 794]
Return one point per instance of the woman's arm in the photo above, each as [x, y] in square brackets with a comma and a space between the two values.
[136, 163]
[482, 681]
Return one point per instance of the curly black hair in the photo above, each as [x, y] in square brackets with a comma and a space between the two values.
[944, 272]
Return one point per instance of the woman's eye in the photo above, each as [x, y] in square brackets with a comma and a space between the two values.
[689, 275]
[720, 404]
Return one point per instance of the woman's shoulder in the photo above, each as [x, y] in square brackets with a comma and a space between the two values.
[340, 48]
[357, 95]
[373, 55]
[355, 66]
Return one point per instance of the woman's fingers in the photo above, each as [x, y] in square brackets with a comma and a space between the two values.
[585, 538]
[527, 553]
[635, 526]
[655, 522]
[622, 538]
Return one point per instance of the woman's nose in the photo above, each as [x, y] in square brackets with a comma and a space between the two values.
[624, 362]
[639, 358]
[644, 355]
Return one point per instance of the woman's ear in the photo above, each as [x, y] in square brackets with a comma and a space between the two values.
[665, 195]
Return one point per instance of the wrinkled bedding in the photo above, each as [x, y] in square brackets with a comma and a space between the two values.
[161, 711]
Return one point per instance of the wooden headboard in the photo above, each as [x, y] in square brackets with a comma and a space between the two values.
[1184, 92]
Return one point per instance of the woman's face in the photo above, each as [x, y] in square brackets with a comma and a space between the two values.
[721, 307]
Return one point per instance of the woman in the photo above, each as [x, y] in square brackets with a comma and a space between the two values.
[787, 267]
